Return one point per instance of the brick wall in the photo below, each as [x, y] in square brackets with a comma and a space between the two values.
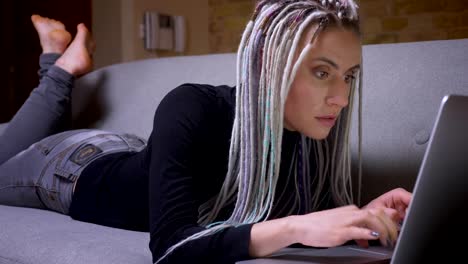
[383, 21]
[389, 21]
[228, 19]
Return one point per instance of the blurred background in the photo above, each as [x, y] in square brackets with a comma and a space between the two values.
[210, 26]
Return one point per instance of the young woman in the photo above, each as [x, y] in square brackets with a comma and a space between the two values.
[228, 173]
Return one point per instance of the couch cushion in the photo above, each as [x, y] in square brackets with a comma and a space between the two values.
[32, 236]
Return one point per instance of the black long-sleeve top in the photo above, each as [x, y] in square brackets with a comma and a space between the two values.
[184, 165]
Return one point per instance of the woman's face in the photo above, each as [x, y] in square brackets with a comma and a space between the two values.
[322, 84]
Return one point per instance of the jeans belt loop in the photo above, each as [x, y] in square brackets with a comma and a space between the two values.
[65, 174]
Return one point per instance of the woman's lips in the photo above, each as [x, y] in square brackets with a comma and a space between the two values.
[328, 121]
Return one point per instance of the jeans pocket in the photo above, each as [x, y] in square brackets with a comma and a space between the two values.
[55, 179]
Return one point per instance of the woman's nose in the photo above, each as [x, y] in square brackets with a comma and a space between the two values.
[339, 95]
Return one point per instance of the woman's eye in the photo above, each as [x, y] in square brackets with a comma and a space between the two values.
[349, 78]
[322, 75]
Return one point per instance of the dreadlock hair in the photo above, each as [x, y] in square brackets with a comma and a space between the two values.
[265, 71]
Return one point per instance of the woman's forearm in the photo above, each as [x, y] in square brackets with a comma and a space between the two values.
[270, 236]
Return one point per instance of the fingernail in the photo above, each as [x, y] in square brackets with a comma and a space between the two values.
[376, 234]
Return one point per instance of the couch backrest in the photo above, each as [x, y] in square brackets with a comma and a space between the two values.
[124, 97]
[403, 86]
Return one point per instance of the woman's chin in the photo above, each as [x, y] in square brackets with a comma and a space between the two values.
[317, 134]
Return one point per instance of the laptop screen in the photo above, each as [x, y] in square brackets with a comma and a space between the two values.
[436, 218]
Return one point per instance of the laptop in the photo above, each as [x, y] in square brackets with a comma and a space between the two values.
[435, 220]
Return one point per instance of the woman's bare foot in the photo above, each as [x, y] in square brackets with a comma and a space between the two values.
[77, 57]
[52, 34]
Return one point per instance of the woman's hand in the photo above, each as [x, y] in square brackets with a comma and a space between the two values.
[394, 203]
[327, 228]
[330, 228]
[335, 227]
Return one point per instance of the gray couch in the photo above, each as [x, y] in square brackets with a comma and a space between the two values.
[403, 86]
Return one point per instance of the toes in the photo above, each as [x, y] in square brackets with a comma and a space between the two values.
[35, 17]
[82, 28]
[46, 22]
[57, 22]
[85, 36]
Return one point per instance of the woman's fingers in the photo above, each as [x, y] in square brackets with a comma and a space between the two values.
[336, 226]
[403, 198]
[362, 235]
[365, 219]
[376, 220]
[392, 214]
[388, 223]
[362, 243]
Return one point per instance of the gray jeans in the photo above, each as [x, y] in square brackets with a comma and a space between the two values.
[39, 162]
[43, 175]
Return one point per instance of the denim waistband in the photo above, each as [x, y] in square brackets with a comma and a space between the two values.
[69, 153]
[80, 149]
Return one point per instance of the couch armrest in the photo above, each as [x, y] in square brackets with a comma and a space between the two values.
[2, 127]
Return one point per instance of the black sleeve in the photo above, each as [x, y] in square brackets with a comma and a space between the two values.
[178, 128]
